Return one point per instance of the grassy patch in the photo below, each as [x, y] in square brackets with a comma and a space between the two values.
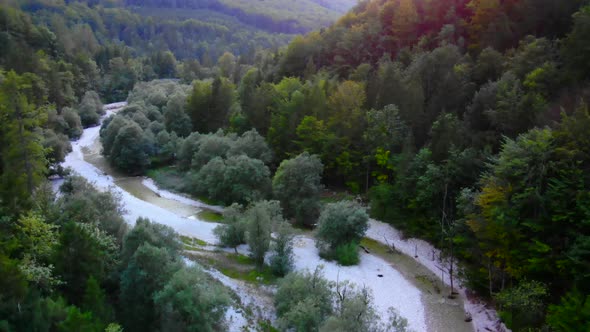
[210, 216]
[250, 273]
[236, 266]
[267, 327]
[241, 259]
[191, 242]
[264, 276]
[375, 247]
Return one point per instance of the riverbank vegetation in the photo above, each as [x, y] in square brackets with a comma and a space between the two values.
[308, 302]
[71, 263]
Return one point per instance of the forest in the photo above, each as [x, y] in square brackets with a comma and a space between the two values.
[461, 122]
[276, 16]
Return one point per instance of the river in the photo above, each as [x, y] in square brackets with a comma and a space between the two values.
[398, 282]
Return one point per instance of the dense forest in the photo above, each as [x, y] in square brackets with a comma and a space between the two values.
[461, 122]
[270, 15]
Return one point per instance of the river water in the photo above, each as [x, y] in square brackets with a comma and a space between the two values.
[400, 282]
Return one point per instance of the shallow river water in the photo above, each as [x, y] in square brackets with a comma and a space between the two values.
[400, 281]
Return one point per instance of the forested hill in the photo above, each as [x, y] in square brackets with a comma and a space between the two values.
[275, 16]
[462, 122]
[189, 34]
[466, 122]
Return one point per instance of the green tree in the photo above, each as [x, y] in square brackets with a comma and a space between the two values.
[37, 240]
[90, 109]
[22, 152]
[232, 232]
[571, 314]
[148, 271]
[71, 117]
[109, 131]
[186, 150]
[523, 305]
[303, 300]
[211, 146]
[82, 202]
[222, 98]
[258, 112]
[191, 302]
[157, 235]
[226, 64]
[77, 320]
[198, 106]
[297, 186]
[83, 251]
[128, 152]
[488, 67]
[281, 260]
[247, 90]
[175, 119]
[354, 311]
[247, 180]
[209, 180]
[340, 224]
[239, 179]
[259, 222]
[95, 301]
[575, 46]
[252, 145]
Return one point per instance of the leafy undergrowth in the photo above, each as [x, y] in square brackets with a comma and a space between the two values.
[336, 196]
[210, 216]
[170, 178]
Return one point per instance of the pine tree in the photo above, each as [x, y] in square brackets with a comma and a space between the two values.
[23, 157]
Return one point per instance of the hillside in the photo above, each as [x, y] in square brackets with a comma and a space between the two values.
[463, 124]
[276, 16]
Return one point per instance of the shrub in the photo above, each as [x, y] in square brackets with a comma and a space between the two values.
[303, 300]
[347, 254]
[341, 225]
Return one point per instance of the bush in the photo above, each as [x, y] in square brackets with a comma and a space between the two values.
[347, 254]
[571, 314]
[524, 305]
[303, 300]
[341, 225]
[190, 301]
